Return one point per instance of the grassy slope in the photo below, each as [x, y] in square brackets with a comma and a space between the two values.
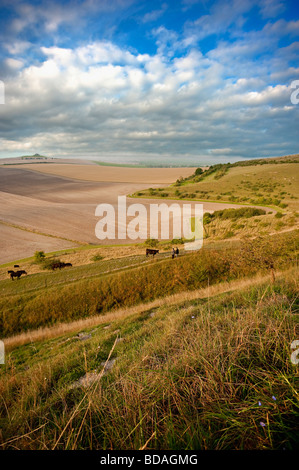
[272, 185]
[254, 184]
[196, 364]
[45, 299]
[187, 375]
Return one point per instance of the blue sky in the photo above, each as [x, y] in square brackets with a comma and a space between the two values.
[180, 82]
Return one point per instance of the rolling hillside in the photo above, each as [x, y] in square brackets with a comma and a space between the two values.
[266, 182]
[208, 372]
[125, 352]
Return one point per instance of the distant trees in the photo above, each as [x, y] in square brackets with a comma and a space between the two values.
[152, 242]
[39, 257]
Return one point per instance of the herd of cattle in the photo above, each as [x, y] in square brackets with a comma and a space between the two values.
[61, 264]
[20, 272]
[151, 251]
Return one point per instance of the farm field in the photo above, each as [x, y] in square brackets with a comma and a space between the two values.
[43, 211]
[17, 244]
[49, 206]
[201, 343]
[113, 174]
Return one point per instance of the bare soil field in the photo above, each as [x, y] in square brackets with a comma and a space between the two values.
[61, 208]
[112, 174]
[46, 212]
[43, 160]
[16, 243]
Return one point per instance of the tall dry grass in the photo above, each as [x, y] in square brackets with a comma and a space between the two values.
[91, 297]
[201, 374]
[46, 333]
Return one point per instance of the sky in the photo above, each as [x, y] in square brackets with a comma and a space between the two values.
[180, 82]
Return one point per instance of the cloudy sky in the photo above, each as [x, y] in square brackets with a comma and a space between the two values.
[174, 81]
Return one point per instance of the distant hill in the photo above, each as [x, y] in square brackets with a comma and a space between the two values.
[36, 155]
[263, 182]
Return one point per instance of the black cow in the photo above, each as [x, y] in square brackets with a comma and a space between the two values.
[60, 265]
[16, 274]
[56, 266]
[150, 251]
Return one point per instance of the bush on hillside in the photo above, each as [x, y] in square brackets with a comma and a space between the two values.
[152, 242]
[233, 214]
[39, 257]
[49, 263]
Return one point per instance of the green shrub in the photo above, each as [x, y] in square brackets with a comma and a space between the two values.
[39, 256]
[178, 241]
[207, 218]
[97, 258]
[152, 242]
[228, 234]
[49, 263]
[234, 214]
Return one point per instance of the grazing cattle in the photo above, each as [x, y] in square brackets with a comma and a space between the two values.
[150, 251]
[56, 266]
[60, 265]
[16, 274]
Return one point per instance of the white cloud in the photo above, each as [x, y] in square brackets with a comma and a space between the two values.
[17, 47]
[154, 15]
[14, 64]
[101, 99]
[271, 8]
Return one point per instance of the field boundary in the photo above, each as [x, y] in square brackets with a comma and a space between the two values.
[37, 232]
